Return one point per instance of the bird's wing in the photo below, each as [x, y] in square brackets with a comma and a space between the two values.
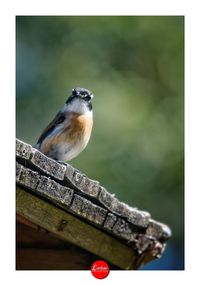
[59, 118]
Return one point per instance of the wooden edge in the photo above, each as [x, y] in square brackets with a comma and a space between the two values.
[72, 229]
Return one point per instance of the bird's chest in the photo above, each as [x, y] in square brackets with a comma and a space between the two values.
[76, 136]
[79, 129]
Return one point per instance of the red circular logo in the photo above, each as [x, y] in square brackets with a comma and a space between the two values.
[100, 269]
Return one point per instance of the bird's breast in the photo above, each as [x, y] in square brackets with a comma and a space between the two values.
[80, 127]
[77, 135]
[71, 139]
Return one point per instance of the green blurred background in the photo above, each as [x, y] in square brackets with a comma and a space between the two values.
[135, 68]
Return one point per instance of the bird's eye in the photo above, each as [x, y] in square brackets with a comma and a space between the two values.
[87, 98]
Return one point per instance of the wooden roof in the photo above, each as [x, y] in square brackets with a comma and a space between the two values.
[70, 206]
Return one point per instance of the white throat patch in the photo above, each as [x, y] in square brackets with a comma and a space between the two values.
[78, 106]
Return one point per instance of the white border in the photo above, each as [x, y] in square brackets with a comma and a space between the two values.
[7, 64]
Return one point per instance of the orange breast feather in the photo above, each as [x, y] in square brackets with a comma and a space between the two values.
[79, 129]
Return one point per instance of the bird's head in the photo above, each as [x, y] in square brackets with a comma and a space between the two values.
[80, 101]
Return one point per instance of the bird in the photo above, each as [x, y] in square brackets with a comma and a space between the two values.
[69, 132]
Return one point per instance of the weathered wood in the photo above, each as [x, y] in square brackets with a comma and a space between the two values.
[83, 209]
[110, 221]
[74, 230]
[84, 184]
[30, 235]
[23, 150]
[87, 209]
[158, 230]
[39, 249]
[133, 215]
[63, 196]
[66, 173]
[55, 259]
[48, 165]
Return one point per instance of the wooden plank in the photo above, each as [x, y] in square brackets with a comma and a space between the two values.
[38, 249]
[53, 259]
[52, 179]
[66, 203]
[36, 237]
[74, 230]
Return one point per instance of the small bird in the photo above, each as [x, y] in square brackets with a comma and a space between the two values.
[69, 132]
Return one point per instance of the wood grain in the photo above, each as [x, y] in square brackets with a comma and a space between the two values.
[74, 230]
